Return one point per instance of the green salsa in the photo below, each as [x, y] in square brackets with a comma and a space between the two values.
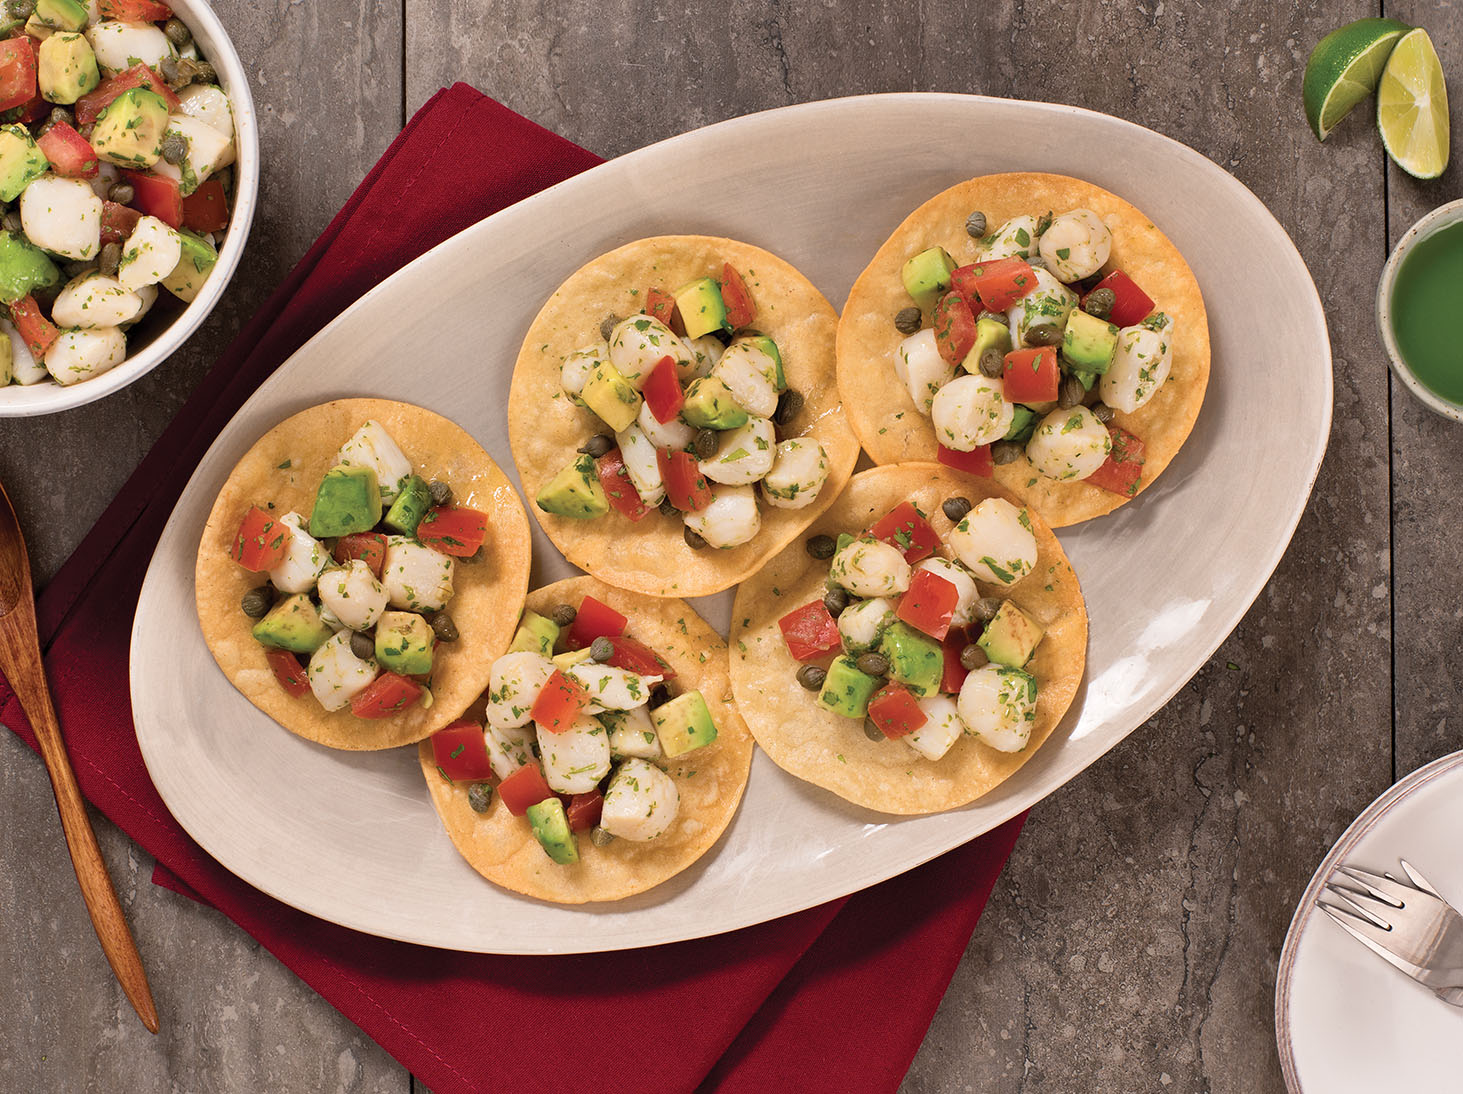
[1426, 300]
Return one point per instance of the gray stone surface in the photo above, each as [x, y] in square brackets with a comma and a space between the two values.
[1133, 941]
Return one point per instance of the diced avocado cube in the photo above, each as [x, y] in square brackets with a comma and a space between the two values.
[915, 659]
[412, 502]
[348, 500]
[61, 14]
[927, 275]
[988, 333]
[293, 624]
[404, 643]
[711, 405]
[198, 258]
[683, 724]
[24, 268]
[1088, 343]
[575, 492]
[1011, 637]
[701, 306]
[535, 634]
[611, 396]
[569, 658]
[20, 162]
[768, 346]
[66, 68]
[550, 826]
[1023, 424]
[129, 131]
[847, 690]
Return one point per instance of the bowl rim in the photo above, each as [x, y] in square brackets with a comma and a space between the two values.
[1445, 215]
[49, 397]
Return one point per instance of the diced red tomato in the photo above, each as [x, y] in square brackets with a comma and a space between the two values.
[369, 547]
[684, 484]
[956, 639]
[954, 327]
[388, 694]
[207, 208]
[740, 308]
[895, 711]
[157, 196]
[618, 487]
[135, 11]
[976, 462]
[662, 390]
[559, 703]
[118, 221]
[636, 657]
[523, 788]
[453, 529]
[905, 528]
[288, 671]
[1032, 375]
[139, 75]
[809, 632]
[1123, 467]
[583, 810]
[1132, 306]
[38, 332]
[32, 111]
[70, 155]
[261, 542]
[593, 620]
[928, 603]
[17, 72]
[996, 284]
[461, 751]
[661, 305]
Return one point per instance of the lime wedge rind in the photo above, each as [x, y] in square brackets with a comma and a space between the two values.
[1345, 68]
[1412, 107]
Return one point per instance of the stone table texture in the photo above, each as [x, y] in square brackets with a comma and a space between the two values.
[1133, 940]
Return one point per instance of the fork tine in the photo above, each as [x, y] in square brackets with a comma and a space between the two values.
[1415, 876]
[1363, 932]
[1382, 888]
[1353, 900]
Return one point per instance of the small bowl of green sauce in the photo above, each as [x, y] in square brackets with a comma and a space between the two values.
[1420, 309]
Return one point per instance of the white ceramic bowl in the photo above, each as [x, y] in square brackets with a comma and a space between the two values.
[170, 324]
[1438, 219]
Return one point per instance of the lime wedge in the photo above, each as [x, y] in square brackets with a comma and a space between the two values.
[1412, 107]
[1344, 69]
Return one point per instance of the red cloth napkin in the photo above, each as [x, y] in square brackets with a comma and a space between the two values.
[835, 997]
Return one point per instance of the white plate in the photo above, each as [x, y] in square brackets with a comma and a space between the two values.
[352, 838]
[1345, 1020]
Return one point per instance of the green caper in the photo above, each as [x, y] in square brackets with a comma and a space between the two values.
[873, 732]
[122, 193]
[601, 649]
[705, 444]
[443, 627]
[362, 646]
[908, 320]
[659, 696]
[175, 148]
[1043, 222]
[440, 491]
[563, 615]
[972, 657]
[975, 224]
[597, 445]
[812, 677]
[987, 607]
[109, 259]
[204, 72]
[12, 220]
[992, 363]
[480, 796]
[21, 9]
[789, 406]
[835, 601]
[601, 837]
[177, 32]
[1099, 303]
[998, 316]
[607, 326]
[60, 114]
[694, 539]
[1036, 262]
[1043, 334]
[955, 508]
[1006, 451]
[76, 269]
[872, 664]
[821, 547]
[257, 601]
[668, 507]
[1103, 413]
[1071, 393]
[172, 71]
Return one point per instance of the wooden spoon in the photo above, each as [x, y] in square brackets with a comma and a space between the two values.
[20, 660]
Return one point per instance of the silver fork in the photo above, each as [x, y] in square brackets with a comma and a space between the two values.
[1411, 926]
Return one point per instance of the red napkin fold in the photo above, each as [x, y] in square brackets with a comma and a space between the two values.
[835, 997]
